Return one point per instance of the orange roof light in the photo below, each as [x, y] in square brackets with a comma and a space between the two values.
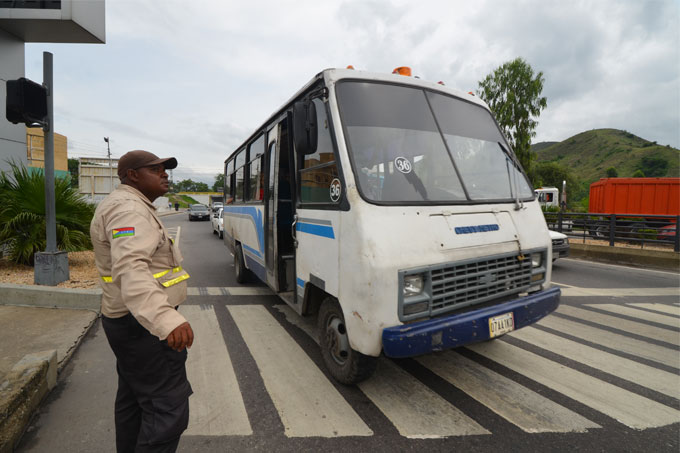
[402, 70]
[350, 67]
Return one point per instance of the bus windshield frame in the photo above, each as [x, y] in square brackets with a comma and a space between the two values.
[409, 145]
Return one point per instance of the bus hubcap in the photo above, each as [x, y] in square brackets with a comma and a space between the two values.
[336, 338]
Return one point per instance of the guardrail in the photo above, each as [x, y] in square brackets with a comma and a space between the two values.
[636, 229]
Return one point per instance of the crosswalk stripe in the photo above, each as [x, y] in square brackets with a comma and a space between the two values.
[625, 325]
[528, 410]
[307, 403]
[660, 354]
[669, 309]
[644, 375]
[638, 314]
[575, 291]
[229, 290]
[628, 408]
[216, 407]
[416, 411]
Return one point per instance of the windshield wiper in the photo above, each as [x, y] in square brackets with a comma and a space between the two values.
[417, 183]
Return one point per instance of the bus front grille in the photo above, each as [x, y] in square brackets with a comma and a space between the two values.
[473, 283]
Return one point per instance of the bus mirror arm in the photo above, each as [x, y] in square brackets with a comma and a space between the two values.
[292, 230]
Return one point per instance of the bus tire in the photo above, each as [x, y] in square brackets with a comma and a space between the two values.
[242, 274]
[346, 365]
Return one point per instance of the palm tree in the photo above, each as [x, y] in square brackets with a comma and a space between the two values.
[22, 215]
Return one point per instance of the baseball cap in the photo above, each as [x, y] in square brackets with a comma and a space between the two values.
[133, 160]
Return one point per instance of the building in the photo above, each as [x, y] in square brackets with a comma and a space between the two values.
[33, 21]
[97, 177]
[35, 151]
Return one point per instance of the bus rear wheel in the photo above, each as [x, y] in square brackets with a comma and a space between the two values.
[344, 363]
[242, 274]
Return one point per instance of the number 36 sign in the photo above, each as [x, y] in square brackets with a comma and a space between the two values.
[336, 190]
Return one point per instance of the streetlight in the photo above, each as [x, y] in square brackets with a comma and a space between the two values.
[108, 148]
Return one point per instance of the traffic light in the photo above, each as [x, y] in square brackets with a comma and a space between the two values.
[26, 102]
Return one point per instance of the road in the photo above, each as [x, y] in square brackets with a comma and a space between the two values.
[601, 374]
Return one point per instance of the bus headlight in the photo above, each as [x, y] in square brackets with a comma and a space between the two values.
[413, 285]
[536, 259]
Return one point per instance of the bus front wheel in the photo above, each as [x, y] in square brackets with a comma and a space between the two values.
[344, 363]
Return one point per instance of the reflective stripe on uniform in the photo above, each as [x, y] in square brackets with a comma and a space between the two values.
[160, 274]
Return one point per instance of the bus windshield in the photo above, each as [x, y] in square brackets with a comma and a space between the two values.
[409, 145]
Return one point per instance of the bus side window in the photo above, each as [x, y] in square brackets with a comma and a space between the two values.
[255, 187]
[240, 162]
[319, 169]
[228, 184]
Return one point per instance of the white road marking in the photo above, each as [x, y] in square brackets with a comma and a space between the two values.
[415, 410]
[229, 291]
[609, 265]
[574, 291]
[621, 324]
[614, 341]
[308, 404]
[527, 409]
[216, 407]
[644, 375]
[638, 314]
[628, 408]
[668, 309]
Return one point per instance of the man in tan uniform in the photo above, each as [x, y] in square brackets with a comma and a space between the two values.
[143, 283]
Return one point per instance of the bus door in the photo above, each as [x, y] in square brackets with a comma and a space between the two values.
[280, 246]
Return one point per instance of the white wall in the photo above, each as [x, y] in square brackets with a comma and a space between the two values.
[12, 136]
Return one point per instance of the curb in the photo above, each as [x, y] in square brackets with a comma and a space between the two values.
[51, 297]
[21, 392]
[668, 261]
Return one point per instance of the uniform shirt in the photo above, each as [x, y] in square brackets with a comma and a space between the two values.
[139, 263]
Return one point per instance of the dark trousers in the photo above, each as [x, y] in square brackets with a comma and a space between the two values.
[152, 403]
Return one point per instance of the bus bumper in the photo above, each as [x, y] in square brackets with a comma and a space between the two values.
[417, 338]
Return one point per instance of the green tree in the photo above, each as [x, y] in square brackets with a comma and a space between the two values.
[219, 183]
[201, 187]
[612, 173]
[22, 215]
[73, 171]
[653, 166]
[638, 174]
[513, 94]
[551, 174]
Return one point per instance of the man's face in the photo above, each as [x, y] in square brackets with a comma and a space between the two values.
[152, 181]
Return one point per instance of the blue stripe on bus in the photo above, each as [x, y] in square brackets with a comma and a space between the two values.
[256, 216]
[317, 230]
[301, 283]
[256, 268]
[252, 250]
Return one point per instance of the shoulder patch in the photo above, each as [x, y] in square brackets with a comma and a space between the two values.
[122, 232]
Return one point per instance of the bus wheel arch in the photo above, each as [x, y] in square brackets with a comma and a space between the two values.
[345, 364]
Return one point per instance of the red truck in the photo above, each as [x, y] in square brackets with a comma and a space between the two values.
[636, 198]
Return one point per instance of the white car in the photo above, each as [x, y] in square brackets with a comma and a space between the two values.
[217, 223]
[560, 245]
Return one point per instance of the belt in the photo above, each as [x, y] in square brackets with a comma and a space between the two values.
[157, 275]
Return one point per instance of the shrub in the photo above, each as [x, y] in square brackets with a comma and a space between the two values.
[22, 215]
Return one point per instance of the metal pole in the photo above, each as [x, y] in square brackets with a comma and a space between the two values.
[48, 129]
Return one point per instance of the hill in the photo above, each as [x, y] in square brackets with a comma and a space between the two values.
[589, 154]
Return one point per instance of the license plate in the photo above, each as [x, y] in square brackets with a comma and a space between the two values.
[498, 325]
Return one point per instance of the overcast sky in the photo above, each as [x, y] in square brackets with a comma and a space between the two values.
[192, 79]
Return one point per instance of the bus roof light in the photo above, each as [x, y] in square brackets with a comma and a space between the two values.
[402, 70]
[350, 67]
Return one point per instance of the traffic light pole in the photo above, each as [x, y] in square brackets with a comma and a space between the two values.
[51, 266]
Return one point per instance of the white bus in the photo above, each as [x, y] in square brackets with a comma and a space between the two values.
[394, 210]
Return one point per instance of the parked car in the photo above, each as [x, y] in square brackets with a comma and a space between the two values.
[217, 205]
[667, 233]
[560, 245]
[198, 211]
[218, 223]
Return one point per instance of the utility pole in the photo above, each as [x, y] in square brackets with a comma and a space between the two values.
[51, 266]
[108, 148]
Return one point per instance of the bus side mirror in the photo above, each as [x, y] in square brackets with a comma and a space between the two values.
[305, 129]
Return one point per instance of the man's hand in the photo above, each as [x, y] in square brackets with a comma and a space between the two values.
[182, 337]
